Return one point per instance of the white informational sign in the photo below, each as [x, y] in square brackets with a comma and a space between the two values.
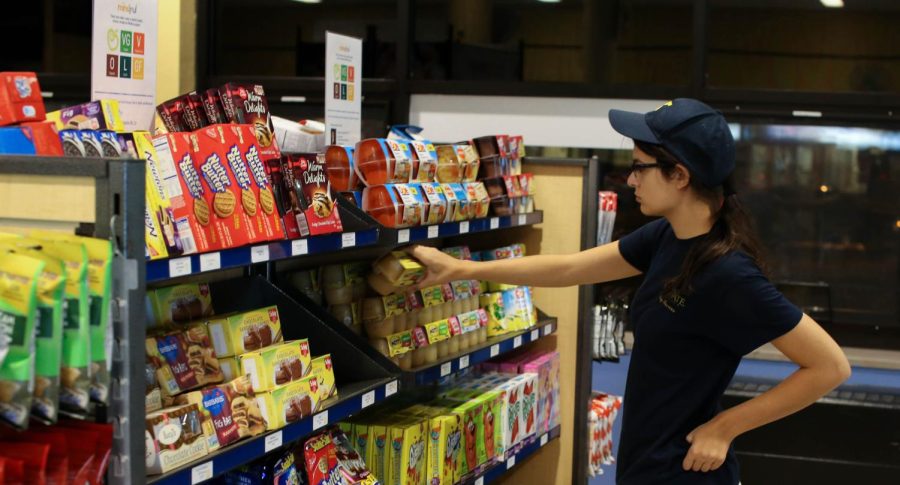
[123, 58]
[343, 89]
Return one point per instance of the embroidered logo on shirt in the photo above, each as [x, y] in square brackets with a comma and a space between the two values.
[672, 304]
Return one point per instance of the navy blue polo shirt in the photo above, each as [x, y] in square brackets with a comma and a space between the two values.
[686, 352]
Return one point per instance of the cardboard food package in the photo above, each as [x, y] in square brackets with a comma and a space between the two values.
[20, 98]
[245, 332]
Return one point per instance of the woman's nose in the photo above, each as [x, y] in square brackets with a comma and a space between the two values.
[632, 180]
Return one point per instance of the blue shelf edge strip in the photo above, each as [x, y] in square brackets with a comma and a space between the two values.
[511, 461]
[241, 453]
[449, 229]
[514, 341]
[164, 269]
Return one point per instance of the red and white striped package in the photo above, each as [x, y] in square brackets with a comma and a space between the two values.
[607, 205]
[604, 410]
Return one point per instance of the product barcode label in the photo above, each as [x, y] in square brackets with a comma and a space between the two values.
[464, 227]
[390, 389]
[517, 342]
[433, 232]
[368, 399]
[320, 420]
[201, 472]
[463, 362]
[445, 369]
[535, 334]
[544, 439]
[210, 261]
[495, 350]
[179, 267]
[274, 441]
[495, 222]
[403, 236]
[511, 462]
[259, 254]
[348, 240]
[299, 247]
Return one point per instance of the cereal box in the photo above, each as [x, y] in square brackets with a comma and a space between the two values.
[276, 365]
[289, 403]
[323, 369]
[313, 204]
[245, 332]
[262, 208]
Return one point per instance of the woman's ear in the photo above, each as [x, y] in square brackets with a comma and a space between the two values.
[682, 176]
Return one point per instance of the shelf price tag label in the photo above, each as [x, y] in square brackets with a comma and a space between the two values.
[299, 247]
[548, 329]
[368, 399]
[511, 462]
[201, 472]
[480, 481]
[535, 334]
[211, 261]
[433, 231]
[463, 362]
[544, 439]
[403, 236]
[274, 441]
[259, 254]
[179, 267]
[390, 389]
[495, 350]
[348, 240]
[445, 369]
[522, 219]
[320, 420]
[464, 227]
[495, 222]
[517, 342]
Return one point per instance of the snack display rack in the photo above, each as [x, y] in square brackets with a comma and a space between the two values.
[363, 376]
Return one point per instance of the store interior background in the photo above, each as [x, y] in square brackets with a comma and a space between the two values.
[813, 94]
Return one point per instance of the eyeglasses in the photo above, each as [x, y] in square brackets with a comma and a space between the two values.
[638, 167]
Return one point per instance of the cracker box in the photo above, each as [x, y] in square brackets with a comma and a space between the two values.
[313, 204]
[186, 193]
[101, 114]
[174, 437]
[230, 408]
[323, 369]
[247, 105]
[407, 451]
[276, 365]
[245, 332]
[222, 193]
[20, 98]
[180, 304]
[289, 403]
[262, 210]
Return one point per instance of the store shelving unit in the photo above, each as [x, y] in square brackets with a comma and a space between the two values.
[511, 460]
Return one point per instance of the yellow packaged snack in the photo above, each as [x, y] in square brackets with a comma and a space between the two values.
[323, 369]
[159, 224]
[276, 365]
[408, 451]
[289, 403]
[245, 332]
[231, 368]
[180, 304]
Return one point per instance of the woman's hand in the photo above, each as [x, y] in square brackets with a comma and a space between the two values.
[440, 267]
[709, 447]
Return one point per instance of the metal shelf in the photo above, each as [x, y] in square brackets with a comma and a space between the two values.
[510, 461]
[396, 237]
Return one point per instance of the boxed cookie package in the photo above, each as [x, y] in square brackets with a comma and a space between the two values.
[313, 208]
[174, 437]
[245, 159]
[323, 370]
[184, 360]
[276, 365]
[230, 409]
[101, 114]
[245, 332]
[180, 304]
[288, 403]
[247, 105]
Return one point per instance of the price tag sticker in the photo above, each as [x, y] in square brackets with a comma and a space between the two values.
[445, 369]
[548, 329]
[495, 222]
[495, 350]
[211, 261]
[510, 462]
[259, 254]
[179, 267]
[522, 219]
[535, 334]
[299, 247]
[433, 231]
[517, 342]
[390, 389]
[368, 399]
[480, 481]
[320, 420]
[463, 362]
[201, 472]
[348, 240]
[274, 441]
[544, 439]
[464, 227]
[403, 236]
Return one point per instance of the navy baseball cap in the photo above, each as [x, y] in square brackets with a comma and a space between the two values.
[697, 135]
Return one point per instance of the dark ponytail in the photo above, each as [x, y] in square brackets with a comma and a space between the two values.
[732, 230]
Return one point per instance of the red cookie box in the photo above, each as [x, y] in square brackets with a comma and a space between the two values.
[312, 204]
[186, 193]
[223, 192]
[247, 105]
[267, 219]
[20, 98]
[45, 137]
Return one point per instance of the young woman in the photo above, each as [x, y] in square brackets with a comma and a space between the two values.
[705, 302]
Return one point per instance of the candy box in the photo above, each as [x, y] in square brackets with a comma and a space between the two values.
[231, 410]
[472, 452]
[289, 403]
[247, 105]
[257, 198]
[186, 193]
[180, 304]
[323, 370]
[101, 114]
[378, 455]
[245, 332]
[174, 437]
[224, 195]
[20, 98]
[313, 205]
[529, 385]
[276, 365]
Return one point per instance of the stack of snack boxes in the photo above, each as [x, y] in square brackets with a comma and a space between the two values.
[229, 376]
[509, 307]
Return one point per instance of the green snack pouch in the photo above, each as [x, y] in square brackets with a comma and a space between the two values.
[18, 300]
[75, 378]
[48, 330]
